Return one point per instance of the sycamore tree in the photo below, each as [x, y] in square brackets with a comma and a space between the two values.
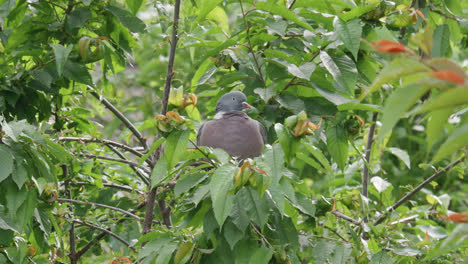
[364, 102]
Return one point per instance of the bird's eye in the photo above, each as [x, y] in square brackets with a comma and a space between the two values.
[233, 98]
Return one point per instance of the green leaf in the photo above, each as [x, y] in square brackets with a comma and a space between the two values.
[14, 198]
[220, 185]
[359, 106]
[20, 174]
[176, 145]
[450, 98]
[257, 209]
[457, 140]
[357, 11]
[441, 41]
[288, 143]
[61, 56]
[381, 257]
[274, 158]
[159, 173]
[6, 162]
[77, 18]
[319, 156]
[261, 255]
[205, 7]
[435, 232]
[391, 73]
[407, 251]
[188, 182]
[341, 254]
[400, 101]
[184, 253]
[436, 123]
[239, 215]
[232, 234]
[304, 71]
[322, 251]
[337, 144]
[457, 239]
[350, 33]
[402, 155]
[343, 70]
[134, 5]
[127, 19]
[77, 72]
[153, 147]
[284, 12]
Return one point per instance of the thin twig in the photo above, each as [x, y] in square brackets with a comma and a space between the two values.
[247, 28]
[92, 156]
[336, 233]
[442, 13]
[419, 187]
[102, 141]
[117, 186]
[105, 231]
[365, 171]
[122, 118]
[134, 168]
[72, 255]
[292, 4]
[204, 154]
[103, 234]
[294, 78]
[165, 211]
[65, 200]
[345, 217]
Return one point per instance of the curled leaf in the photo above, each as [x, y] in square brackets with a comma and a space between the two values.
[449, 76]
[458, 218]
[384, 45]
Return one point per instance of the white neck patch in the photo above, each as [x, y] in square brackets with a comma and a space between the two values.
[219, 115]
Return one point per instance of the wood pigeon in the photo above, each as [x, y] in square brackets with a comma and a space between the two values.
[233, 130]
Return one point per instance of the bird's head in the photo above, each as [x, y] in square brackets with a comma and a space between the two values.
[233, 101]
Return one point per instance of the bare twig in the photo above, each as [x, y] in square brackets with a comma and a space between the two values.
[72, 255]
[121, 187]
[103, 141]
[345, 217]
[64, 200]
[122, 118]
[105, 231]
[92, 156]
[365, 171]
[442, 13]
[292, 4]
[419, 187]
[291, 82]
[204, 154]
[165, 211]
[336, 233]
[103, 234]
[247, 28]
[134, 168]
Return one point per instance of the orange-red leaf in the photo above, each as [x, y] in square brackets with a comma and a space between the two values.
[420, 14]
[384, 45]
[449, 76]
[458, 218]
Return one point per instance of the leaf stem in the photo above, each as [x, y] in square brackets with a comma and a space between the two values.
[65, 200]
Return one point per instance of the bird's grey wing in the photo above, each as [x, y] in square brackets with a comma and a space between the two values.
[199, 133]
[262, 130]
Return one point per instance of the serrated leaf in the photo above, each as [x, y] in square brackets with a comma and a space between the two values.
[304, 71]
[400, 101]
[402, 155]
[14, 199]
[323, 250]
[407, 251]
[357, 11]
[159, 173]
[381, 257]
[337, 144]
[176, 145]
[274, 158]
[350, 33]
[21, 174]
[6, 162]
[441, 41]
[220, 185]
[205, 7]
[127, 19]
[393, 71]
[77, 72]
[342, 69]
[183, 253]
[77, 18]
[436, 232]
[319, 156]
[341, 254]
[188, 182]
[257, 209]
[457, 140]
[232, 234]
[284, 12]
[61, 56]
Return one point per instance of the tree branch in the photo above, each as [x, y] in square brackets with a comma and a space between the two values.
[122, 118]
[250, 44]
[72, 255]
[345, 217]
[134, 168]
[131, 163]
[419, 187]
[165, 211]
[105, 231]
[103, 141]
[365, 171]
[291, 82]
[62, 200]
[121, 187]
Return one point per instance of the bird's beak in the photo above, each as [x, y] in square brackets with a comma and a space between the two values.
[246, 105]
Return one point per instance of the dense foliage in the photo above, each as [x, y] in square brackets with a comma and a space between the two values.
[364, 102]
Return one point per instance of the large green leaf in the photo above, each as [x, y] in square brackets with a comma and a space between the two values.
[436, 123]
[176, 145]
[284, 12]
[441, 41]
[127, 19]
[337, 144]
[457, 140]
[343, 70]
[323, 250]
[356, 12]
[400, 101]
[402, 155]
[304, 71]
[220, 185]
[205, 7]
[159, 173]
[134, 5]
[257, 209]
[350, 33]
[391, 73]
[274, 159]
[450, 98]
[61, 56]
[6, 162]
